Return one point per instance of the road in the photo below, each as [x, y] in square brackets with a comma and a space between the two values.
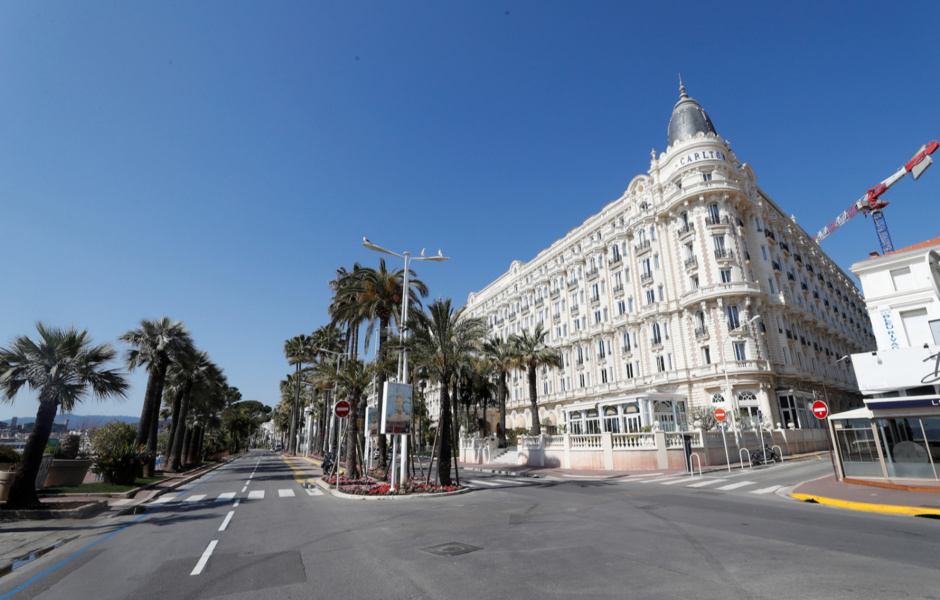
[252, 531]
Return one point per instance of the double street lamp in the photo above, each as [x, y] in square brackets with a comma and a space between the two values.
[403, 359]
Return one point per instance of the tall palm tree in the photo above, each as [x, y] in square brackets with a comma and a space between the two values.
[193, 373]
[498, 352]
[63, 365]
[529, 352]
[441, 337]
[379, 293]
[352, 380]
[298, 351]
[154, 345]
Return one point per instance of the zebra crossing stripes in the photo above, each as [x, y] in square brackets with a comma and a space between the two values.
[225, 497]
[195, 498]
[706, 482]
[286, 493]
[734, 486]
[256, 495]
[476, 482]
[768, 490]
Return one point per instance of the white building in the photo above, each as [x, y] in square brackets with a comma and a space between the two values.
[653, 302]
[896, 436]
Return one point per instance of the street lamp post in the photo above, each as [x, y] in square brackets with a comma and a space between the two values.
[403, 359]
[729, 400]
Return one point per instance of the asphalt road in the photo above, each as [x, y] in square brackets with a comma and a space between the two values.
[718, 536]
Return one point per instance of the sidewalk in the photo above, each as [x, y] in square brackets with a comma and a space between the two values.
[24, 539]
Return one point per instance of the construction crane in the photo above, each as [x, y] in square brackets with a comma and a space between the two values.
[871, 202]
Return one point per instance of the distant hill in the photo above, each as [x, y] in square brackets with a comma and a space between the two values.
[77, 421]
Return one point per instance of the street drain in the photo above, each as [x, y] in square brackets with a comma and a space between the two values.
[451, 549]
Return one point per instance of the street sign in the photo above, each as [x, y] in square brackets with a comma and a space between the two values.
[341, 409]
[720, 414]
[820, 410]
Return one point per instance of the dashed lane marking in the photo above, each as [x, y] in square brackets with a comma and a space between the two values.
[768, 490]
[706, 482]
[195, 498]
[225, 497]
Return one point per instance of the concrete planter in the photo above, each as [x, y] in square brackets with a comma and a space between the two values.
[6, 482]
[65, 472]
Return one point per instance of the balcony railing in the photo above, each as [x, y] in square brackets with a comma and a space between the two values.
[686, 229]
[618, 289]
[642, 246]
[691, 262]
[646, 277]
[701, 332]
[592, 273]
[722, 253]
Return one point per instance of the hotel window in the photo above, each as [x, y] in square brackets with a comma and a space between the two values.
[733, 322]
[725, 275]
[689, 251]
[693, 282]
[771, 286]
[706, 355]
[597, 317]
[650, 297]
[628, 371]
[657, 337]
[661, 293]
[757, 223]
[653, 233]
[626, 275]
[713, 212]
[740, 351]
[601, 351]
[626, 342]
[616, 252]
[660, 364]
[763, 251]
[621, 307]
[630, 303]
[656, 261]
[647, 270]
[706, 176]
[603, 375]
[605, 315]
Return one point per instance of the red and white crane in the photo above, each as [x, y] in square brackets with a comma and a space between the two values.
[872, 203]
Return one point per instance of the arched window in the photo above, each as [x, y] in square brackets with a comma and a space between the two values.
[716, 398]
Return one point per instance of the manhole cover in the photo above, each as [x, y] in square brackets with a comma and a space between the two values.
[451, 549]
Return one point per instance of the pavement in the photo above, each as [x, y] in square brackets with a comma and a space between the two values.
[24, 540]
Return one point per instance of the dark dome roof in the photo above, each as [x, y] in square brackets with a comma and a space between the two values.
[688, 118]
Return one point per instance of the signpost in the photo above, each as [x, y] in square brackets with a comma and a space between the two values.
[820, 410]
[341, 409]
[720, 416]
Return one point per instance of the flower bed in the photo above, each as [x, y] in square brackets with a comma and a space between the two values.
[367, 486]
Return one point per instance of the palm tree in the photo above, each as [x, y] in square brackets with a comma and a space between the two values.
[441, 338]
[379, 293]
[529, 351]
[298, 351]
[192, 373]
[498, 352]
[352, 380]
[154, 345]
[63, 366]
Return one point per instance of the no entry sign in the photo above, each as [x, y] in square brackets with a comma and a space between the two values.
[341, 409]
[820, 410]
[720, 414]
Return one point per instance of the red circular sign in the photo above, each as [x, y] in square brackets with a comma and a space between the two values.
[341, 409]
[820, 410]
[720, 414]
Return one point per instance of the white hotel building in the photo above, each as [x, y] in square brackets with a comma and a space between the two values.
[652, 303]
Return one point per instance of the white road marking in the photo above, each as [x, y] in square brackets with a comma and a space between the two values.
[228, 518]
[195, 498]
[481, 482]
[256, 495]
[706, 482]
[734, 486]
[244, 488]
[164, 499]
[204, 558]
[508, 481]
[285, 493]
[641, 477]
[661, 479]
[236, 503]
[772, 488]
[314, 491]
[226, 496]
[673, 481]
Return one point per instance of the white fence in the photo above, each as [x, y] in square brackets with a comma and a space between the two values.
[642, 451]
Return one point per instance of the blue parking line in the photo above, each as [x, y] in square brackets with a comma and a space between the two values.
[33, 580]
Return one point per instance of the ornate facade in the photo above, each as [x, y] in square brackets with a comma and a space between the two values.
[654, 303]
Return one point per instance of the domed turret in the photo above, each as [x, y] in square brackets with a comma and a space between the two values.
[688, 118]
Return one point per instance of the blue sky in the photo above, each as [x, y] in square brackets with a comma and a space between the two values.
[216, 162]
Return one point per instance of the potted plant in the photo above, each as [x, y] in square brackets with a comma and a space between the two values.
[69, 466]
[8, 460]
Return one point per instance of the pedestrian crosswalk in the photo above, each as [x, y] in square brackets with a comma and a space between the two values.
[229, 496]
[702, 482]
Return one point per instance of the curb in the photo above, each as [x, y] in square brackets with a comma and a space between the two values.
[885, 509]
[87, 510]
[8, 568]
[137, 508]
[345, 496]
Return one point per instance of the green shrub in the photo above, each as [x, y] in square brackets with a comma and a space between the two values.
[68, 447]
[123, 464]
[9, 455]
[111, 436]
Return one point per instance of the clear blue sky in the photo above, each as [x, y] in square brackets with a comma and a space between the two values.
[215, 162]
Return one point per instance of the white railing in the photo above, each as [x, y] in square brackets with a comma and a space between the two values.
[554, 442]
[629, 441]
[586, 442]
[674, 440]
